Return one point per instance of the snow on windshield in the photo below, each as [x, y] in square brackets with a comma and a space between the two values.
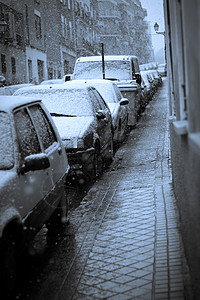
[63, 101]
[6, 143]
[93, 70]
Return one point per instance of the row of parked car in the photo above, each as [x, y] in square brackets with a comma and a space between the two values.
[53, 134]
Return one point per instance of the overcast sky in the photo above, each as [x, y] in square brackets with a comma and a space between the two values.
[155, 14]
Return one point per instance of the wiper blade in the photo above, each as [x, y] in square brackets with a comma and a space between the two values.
[61, 115]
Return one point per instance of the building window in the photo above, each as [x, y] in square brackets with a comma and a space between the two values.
[64, 25]
[13, 64]
[40, 64]
[69, 4]
[66, 66]
[30, 70]
[38, 27]
[70, 30]
[3, 63]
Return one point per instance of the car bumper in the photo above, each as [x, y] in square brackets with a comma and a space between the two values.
[81, 163]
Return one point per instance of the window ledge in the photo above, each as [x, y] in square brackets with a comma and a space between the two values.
[181, 127]
[194, 140]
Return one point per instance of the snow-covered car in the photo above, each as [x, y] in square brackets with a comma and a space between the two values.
[157, 77]
[84, 122]
[33, 172]
[116, 103]
[162, 69]
[147, 85]
[10, 89]
[52, 81]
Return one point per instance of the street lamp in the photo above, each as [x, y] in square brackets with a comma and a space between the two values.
[156, 28]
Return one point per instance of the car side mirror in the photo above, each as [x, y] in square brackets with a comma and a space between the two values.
[100, 115]
[138, 78]
[123, 101]
[35, 162]
[67, 78]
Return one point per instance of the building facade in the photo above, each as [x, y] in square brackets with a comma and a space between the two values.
[41, 39]
[183, 45]
[123, 29]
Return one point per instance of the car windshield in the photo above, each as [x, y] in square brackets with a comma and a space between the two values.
[93, 70]
[74, 102]
[6, 143]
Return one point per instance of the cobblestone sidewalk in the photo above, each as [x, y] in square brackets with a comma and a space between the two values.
[128, 236]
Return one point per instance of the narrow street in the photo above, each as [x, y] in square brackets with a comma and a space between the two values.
[123, 240]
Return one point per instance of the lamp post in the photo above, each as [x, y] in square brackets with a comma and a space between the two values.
[156, 28]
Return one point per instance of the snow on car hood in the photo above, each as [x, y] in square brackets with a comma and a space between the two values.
[73, 128]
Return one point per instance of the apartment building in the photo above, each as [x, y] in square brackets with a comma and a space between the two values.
[41, 39]
[183, 45]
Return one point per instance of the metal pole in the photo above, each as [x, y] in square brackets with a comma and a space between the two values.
[103, 64]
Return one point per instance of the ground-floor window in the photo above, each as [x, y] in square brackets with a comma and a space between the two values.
[3, 63]
[13, 64]
[66, 66]
[40, 64]
[30, 70]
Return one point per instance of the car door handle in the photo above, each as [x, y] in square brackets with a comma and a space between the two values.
[59, 150]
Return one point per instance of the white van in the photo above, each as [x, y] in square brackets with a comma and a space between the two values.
[124, 69]
[118, 67]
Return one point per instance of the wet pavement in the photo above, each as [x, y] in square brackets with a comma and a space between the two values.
[124, 239]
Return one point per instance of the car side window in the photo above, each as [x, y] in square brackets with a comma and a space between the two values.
[100, 99]
[94, 100]
[26, 134]
[43, 126]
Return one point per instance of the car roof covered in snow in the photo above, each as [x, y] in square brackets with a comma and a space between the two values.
[70, 84]
[8, 103]
[106, 57]
[89, 82]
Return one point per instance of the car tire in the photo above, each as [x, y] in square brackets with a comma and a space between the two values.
[8, 267]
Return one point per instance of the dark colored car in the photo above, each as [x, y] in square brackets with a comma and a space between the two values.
[84, 122]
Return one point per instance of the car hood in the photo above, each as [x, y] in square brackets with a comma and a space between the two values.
[73, 127]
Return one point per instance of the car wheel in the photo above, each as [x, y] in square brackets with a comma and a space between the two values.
[8, 265]
[60, 215]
